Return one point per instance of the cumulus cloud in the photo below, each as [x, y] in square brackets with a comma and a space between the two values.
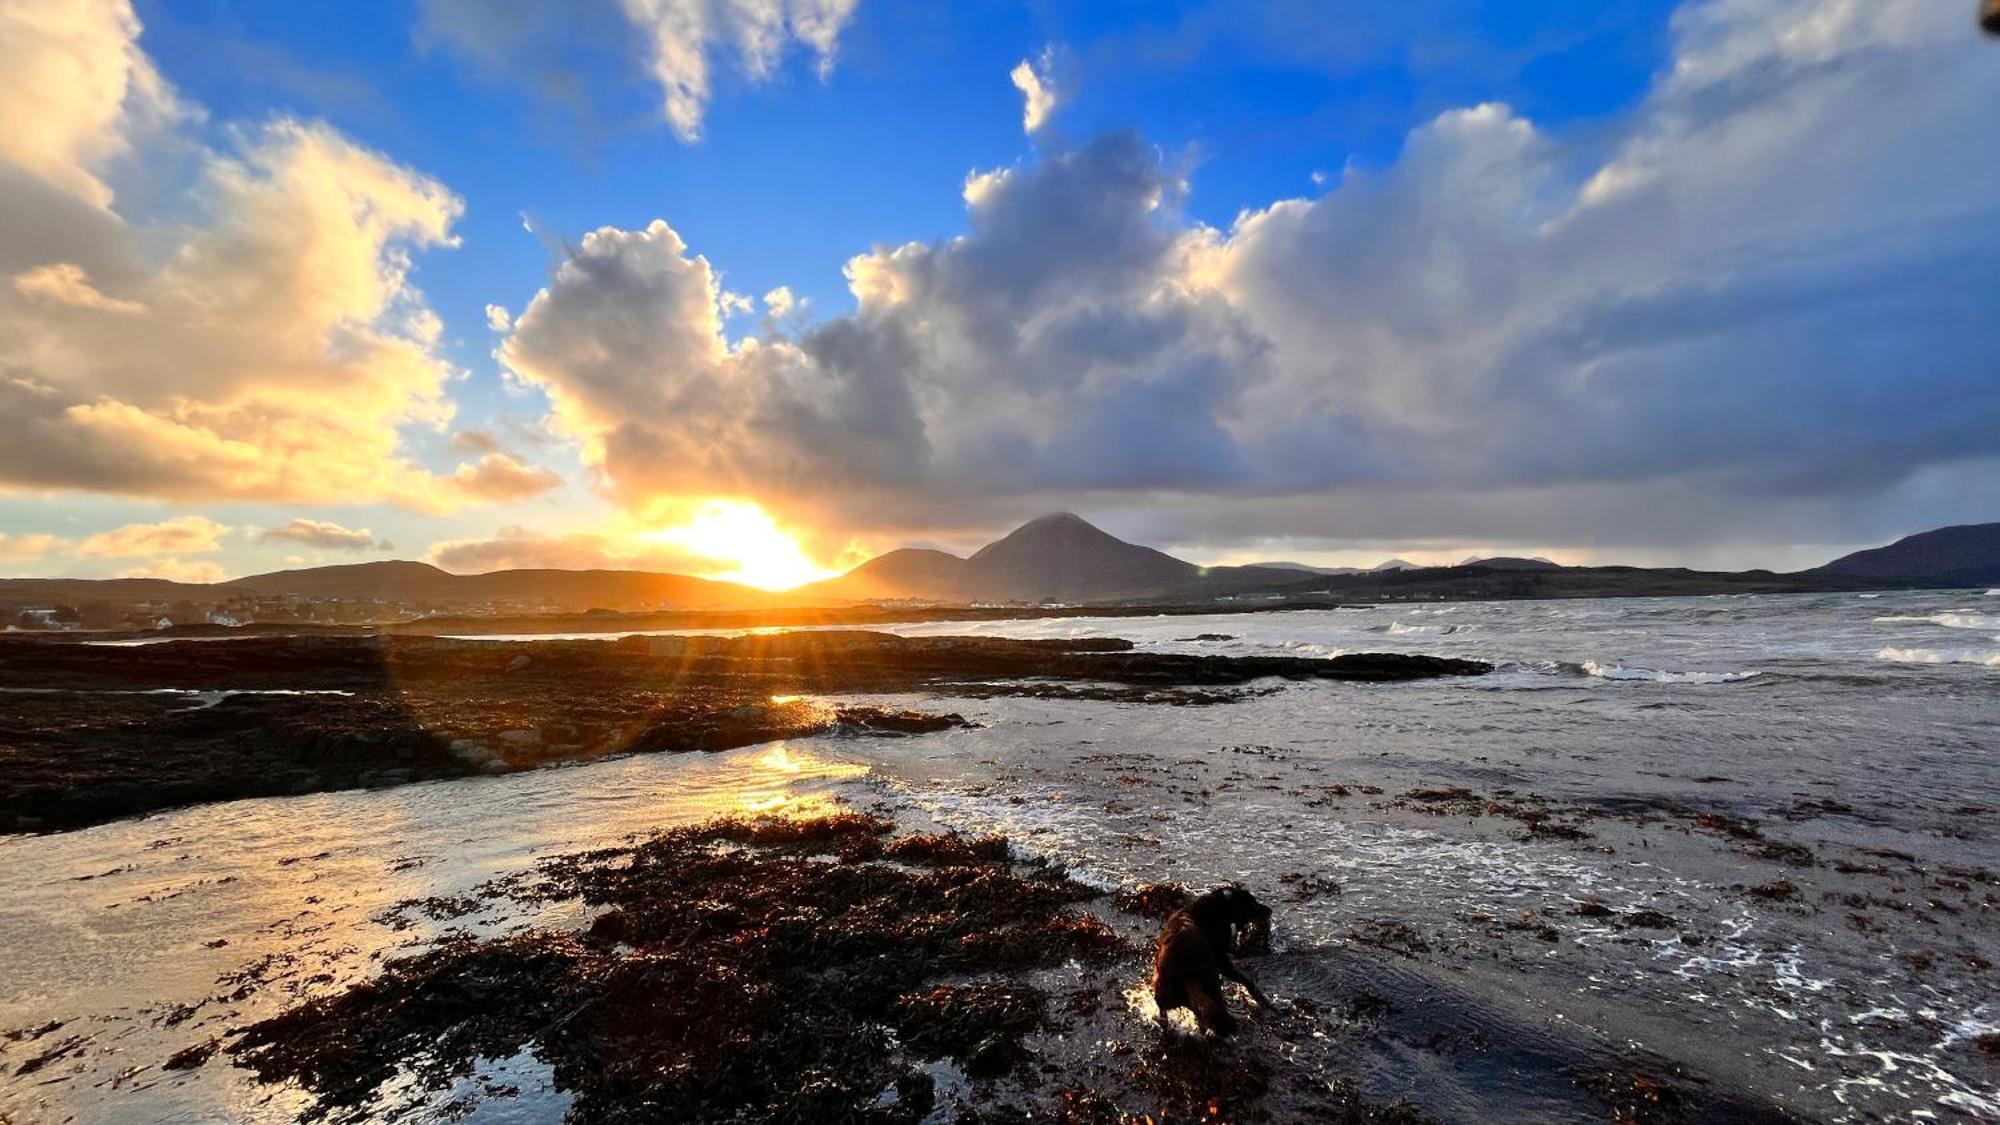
[500, 477]
[265, 341]
[182, 535]
[498, 318]
[323, 534]
[1765, 286]
[683, 43]
[1038, 91]
[77, 89]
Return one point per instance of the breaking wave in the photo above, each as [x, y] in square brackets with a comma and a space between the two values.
[1398, 629]
[1948, 620]
[1932, 656]
[1657, 676]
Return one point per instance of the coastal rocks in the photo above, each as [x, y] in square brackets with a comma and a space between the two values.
[112, 732]
[744, 955]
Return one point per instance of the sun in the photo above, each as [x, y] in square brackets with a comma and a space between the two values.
[744, 543]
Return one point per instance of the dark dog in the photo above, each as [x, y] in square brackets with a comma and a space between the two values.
[1193, 958]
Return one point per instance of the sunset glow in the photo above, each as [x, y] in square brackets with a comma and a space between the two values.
[744, 543]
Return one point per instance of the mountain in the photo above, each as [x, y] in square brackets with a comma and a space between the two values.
[1056, 558]
[907, 572]
[1064, 558]
[391, 581]
[1966, 555]
[412, 582]
[1305, 568]
[1395, 564]
[1513, 562]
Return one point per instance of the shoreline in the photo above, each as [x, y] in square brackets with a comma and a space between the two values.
[97, 733]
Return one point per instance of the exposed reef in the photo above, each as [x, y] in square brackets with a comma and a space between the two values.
[93, 732]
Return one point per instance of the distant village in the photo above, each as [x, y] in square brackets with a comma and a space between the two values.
[110, 614]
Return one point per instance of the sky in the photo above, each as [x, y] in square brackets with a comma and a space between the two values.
[757, 288]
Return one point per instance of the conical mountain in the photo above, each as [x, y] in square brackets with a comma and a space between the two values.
[1063, 557]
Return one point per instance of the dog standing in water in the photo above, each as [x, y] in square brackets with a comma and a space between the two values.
[1193, 958]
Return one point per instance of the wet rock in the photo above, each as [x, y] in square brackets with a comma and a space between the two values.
[1773, 891]
[191, 1058]
[1153, 900]
[751, 975]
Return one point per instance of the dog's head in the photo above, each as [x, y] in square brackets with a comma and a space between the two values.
[1246, 918]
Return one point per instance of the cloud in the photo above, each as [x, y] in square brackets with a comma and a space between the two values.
[474, 441]
[26, 547]
[260, 339]
[682, 43]
[179, 570]
[323, 534]
[518, 548]
[1759, 290]
[182, 535]
[498, 318]
[500, 478]
[1038, 91]
[65, 283]
[78, 87]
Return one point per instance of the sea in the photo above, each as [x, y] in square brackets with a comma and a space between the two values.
[1781, 882]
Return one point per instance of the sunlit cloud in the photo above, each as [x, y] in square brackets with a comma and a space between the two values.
[1038, 90]
[323, 534]
[179, 570]
[264, 341]
[182, 535]
[501, 477]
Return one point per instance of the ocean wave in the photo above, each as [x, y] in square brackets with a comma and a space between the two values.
[1932, 656]
[1948, 620]
[1398, 629]
[1657, 676]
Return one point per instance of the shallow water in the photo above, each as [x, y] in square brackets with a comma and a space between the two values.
[1857, 996]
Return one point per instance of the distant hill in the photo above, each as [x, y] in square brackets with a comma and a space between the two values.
[907, 572]
[394, 580]
[1056, 558]
[1966, 555]
[1512, 562]
[1305, 568]
[411, 582]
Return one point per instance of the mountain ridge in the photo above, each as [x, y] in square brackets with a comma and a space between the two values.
[1056, 558]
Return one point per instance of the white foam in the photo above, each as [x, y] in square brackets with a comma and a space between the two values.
[1948, 620]
[1932, 656]
[1398, 629]
[1657, 676]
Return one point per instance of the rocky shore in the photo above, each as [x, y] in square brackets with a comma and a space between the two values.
[92, 733]
[831, 969]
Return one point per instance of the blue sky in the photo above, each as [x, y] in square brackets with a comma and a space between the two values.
[1327, 281]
